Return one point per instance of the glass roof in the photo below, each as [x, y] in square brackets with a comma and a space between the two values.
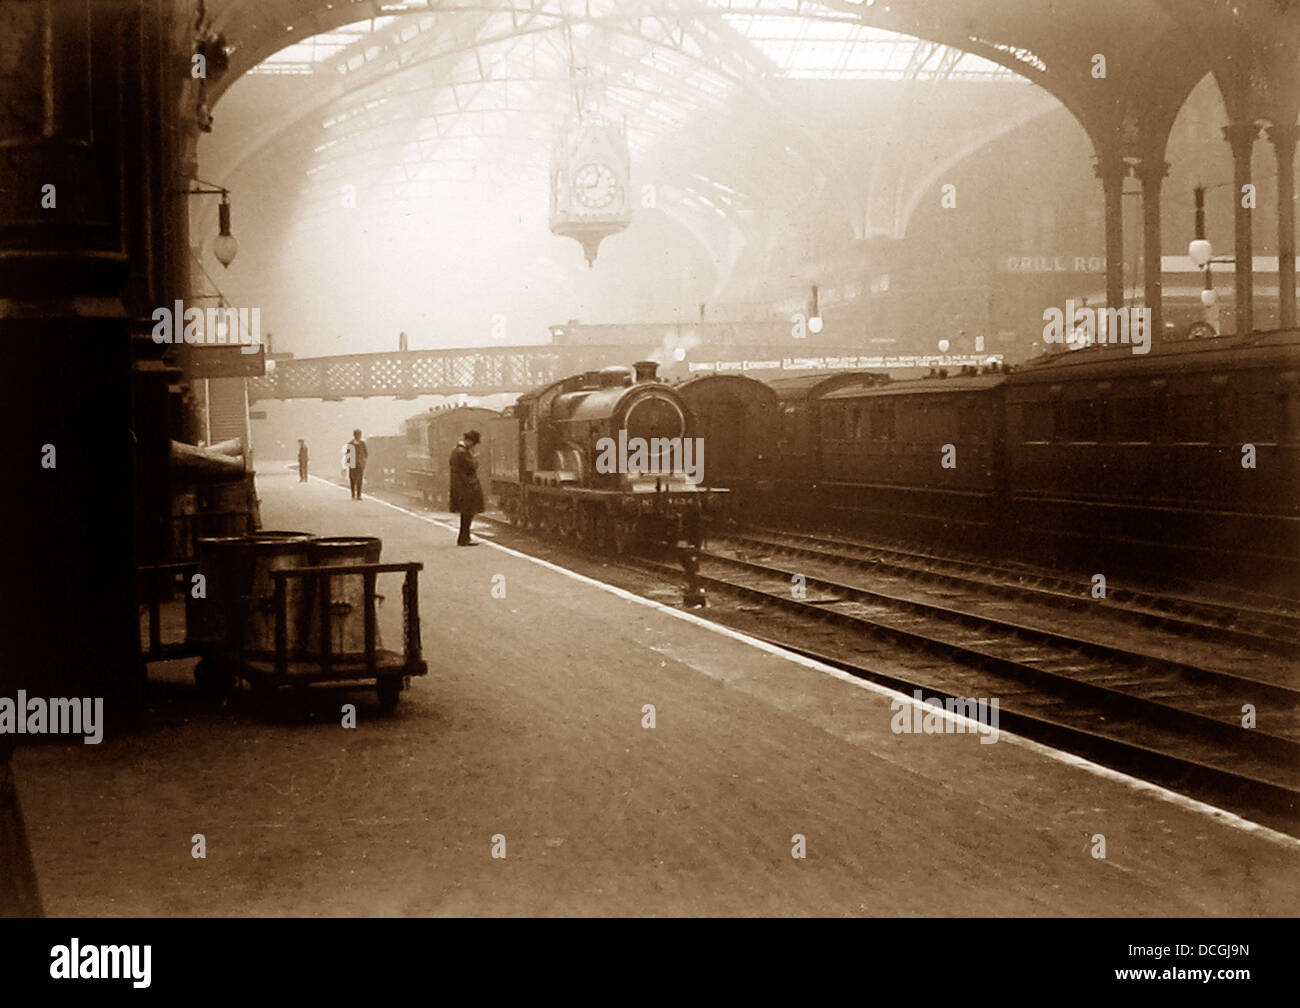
[486, 80]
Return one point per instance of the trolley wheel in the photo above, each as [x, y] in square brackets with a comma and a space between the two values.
[267, 698]
[390, 691]
[213, 677]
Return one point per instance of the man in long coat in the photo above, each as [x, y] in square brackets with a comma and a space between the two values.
[466, 492]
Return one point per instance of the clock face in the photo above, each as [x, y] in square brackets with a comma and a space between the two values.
[594, 186]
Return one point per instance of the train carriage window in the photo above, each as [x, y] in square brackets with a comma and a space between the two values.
[902, 418]
[1132, 418]
[1290, 409]
[945, 420]
[1059, 432]
[932, 418]
[1191, 418]
[910, 419]
[834, 421]
[1259, 417]
[830, 423]
[1225, 410]
[974, 424]
[1081, 420]
[1036, 421]
[1102, 414]
[1016, 421]
[860, 425]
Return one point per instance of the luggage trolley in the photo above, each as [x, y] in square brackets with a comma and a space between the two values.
[313, 647]
[288, 610]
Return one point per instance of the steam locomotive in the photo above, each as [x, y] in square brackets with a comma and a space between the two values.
[607, 457]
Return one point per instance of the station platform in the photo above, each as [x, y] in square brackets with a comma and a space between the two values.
[530, 727]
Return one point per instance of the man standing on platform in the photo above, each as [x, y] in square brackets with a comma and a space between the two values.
[302, 461]
[356, 459]
[466, 492]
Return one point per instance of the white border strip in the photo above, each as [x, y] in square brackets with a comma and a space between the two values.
[1070, 759]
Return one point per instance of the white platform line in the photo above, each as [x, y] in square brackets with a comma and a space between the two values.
[1070, 759]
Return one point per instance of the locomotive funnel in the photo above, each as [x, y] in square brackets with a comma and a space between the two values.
[646, 371]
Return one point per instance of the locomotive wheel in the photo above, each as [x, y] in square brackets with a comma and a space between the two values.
[590, 527]
[624, 533]
[604, 537]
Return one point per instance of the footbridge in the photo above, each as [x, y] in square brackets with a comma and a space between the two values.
[482, 371]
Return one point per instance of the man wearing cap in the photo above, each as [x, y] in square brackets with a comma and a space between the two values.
[466, 492]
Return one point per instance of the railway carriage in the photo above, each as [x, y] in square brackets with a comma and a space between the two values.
[430, 437]
[914, 455]
[1186, 456]
[1184, 459]
[798, 429]
[737, 419]
[386, 461]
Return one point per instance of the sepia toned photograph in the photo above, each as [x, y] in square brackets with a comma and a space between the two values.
[651, 459]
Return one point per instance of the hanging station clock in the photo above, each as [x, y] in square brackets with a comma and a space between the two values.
[595, 186]
[589, 183]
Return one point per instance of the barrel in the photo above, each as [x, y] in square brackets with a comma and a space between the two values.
[229, 507]
[223, 562]
[347, 595]
[266, 553]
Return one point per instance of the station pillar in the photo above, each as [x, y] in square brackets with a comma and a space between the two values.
[1151, 173]
[1241, 137]
[1283, 137]
[1111, 169]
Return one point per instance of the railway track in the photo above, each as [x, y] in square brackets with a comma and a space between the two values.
[1175, 722]
[1257, 621]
